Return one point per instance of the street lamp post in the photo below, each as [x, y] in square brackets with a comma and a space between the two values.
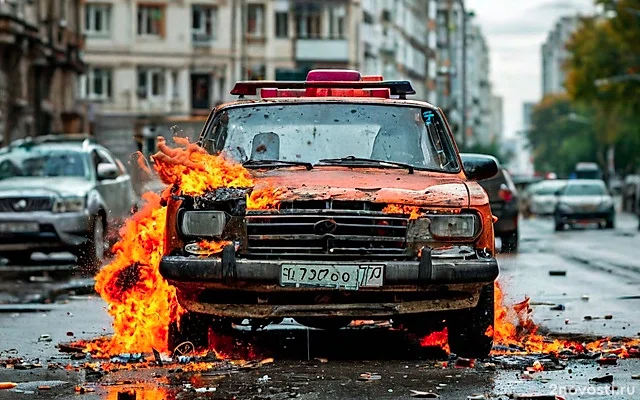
[464, 74]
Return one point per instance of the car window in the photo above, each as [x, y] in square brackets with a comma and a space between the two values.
[585, 189]
[309, 132]
[43, 161]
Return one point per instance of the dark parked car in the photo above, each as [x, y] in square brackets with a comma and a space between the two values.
[503, 197]
[60, 193]
[584, 201]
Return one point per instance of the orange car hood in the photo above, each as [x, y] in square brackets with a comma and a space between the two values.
[365, 184]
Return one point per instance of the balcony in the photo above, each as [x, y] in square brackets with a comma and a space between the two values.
[336, 50]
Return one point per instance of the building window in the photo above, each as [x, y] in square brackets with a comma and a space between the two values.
[255, 20]
[282, 25]
[97, 19]
[96, 84]
[309, 22]
[150, 83]
[150, 20]
[337, 16]
[203, 23]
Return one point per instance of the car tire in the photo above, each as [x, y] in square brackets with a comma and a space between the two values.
[91, 254]
[193, 327]
[17, 257]
[559, 225]
[610, 224]
[510, 243]
[468, 328]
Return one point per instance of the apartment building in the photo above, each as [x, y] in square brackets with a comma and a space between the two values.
[555, 55]
[469, 106]
[156, 58]
[40, 46]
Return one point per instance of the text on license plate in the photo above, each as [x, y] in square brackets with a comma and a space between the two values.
[349, 277]
[19, 227]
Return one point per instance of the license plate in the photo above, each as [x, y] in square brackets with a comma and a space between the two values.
[350, 277]
[19, 227]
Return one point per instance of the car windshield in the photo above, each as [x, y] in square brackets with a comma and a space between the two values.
[42, 162]
[585, 189]
[549, 188]
[311, 132]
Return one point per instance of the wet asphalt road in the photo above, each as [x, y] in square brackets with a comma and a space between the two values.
[602, 278]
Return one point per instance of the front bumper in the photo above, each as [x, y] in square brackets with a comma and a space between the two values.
[578, 217]
[244, 288]
[56, 231]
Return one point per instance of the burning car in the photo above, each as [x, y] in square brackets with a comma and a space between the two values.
[361, 210]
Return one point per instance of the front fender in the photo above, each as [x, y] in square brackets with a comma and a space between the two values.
[95, 202]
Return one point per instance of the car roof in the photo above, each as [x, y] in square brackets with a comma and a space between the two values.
[78, 146]
[591, 182]
[315, 100]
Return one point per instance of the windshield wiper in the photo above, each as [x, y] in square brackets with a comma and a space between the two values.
[357, 161]
[276, 164]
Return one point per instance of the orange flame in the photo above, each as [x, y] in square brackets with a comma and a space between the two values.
[141, 302]
[413, 211]
[514, 327]
[436, 339]
[212, 246]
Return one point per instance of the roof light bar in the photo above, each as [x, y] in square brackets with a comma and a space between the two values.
[250, 88]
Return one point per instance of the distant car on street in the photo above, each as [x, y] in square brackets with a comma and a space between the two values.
[584, 201]
[503, 197]
[60, 193]
[541, 196]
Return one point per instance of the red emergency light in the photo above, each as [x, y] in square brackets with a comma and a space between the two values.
[333, 75]
[327, 83]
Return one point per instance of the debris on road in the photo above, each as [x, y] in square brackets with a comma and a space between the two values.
[424, 395]
[608, 317]
[585, 297]
[636, 377]
[558, 307]
[602, 379]
[45, 338]
[7, 385]
[369, 376]
[609, 359]
[557, 272]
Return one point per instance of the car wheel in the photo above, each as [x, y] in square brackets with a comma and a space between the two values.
[559, 225]
[610, 224]
[510, 243]
[468, 328]
[329, 324]
[91, 254]
[192, 327]
[17, 257]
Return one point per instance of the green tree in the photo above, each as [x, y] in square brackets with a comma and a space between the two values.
[561, 136]
[492, 149]
[605, 48]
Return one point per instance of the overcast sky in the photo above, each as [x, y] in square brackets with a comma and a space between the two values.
[515, 30]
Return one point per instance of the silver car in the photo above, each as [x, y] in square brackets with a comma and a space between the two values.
[584, 201]
[60, 193]
[542, 196]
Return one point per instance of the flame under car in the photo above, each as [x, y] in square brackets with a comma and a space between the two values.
[361, 210]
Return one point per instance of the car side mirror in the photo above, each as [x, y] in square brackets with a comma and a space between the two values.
[479, 166]
[107, 171]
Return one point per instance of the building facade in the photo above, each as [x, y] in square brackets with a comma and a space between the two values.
[40, 59]
[464, 93]
[555, 55]
[497, 119]
[155, 58]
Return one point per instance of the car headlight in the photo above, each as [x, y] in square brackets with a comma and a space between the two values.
[606, 204]
[69, 204]
[564, 208]
[443, 227]
[203, 223]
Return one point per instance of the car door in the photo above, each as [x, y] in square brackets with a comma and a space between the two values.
[106, 187]
[122, 188]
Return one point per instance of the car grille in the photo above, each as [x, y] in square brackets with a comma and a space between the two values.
[25, 204]
[307, 233]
